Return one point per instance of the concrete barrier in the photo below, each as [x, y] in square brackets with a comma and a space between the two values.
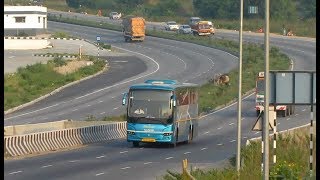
[49, 126]
[32, 143]
[24, 44]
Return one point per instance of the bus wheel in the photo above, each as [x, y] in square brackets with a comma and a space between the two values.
[135, 144]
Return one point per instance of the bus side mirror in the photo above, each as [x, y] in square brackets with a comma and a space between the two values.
[124, 98]
[172, 101]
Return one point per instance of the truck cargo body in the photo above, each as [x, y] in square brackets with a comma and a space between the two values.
[282, 110]
[133, 28]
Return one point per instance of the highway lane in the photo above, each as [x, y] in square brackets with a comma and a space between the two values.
[164, 59]
[116, 159]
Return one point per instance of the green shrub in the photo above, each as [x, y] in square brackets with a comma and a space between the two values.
[59, 61]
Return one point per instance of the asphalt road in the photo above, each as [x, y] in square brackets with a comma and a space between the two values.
[164, 59]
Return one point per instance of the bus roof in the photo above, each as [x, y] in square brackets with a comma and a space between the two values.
[163, 84]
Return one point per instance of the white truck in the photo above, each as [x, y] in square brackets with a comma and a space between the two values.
[115, 15]
[282, 110]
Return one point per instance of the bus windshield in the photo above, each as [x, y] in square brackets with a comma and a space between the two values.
[150, 106]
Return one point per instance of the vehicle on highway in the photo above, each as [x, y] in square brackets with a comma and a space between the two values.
[161, 111]
[115, 15]
[201, 28]
[282, 110]
[194, 20]
[184, 29]
[133, 28]
[171, 26]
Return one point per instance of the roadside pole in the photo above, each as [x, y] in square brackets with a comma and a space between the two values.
[239, 91]
[98, 40]
[265, 129]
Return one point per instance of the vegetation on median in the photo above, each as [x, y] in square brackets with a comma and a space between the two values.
[33, 81]
[292, 161]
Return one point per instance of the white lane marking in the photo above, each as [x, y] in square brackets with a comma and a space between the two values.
[242, 119]
[203, 148]
[169, 157]
[60, 114]
[103, 113]
[141, 148]
[219, 127]
[116, 108]
[123, 152]
[75, 110]
[100, 157]
[187, 153]
[296, 114]
[303, 109]
[112, 97]
[233, 140]
[99, 174]
[11, 57]
[288, 119]
[256, 132]
[16, 172]
[245, 137]
[207, 132]
[231, 124]
[100, 101]
[46, 166]
[89, 105]
[220, 144]
[102, 89]
[147, 163]
[126, 167]
[278, 123]
[74, 161]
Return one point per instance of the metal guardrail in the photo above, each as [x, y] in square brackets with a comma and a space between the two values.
[59, 139]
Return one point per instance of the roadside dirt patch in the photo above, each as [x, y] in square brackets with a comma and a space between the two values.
[72, 66]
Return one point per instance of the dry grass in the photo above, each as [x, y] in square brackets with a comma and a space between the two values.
[72, 66]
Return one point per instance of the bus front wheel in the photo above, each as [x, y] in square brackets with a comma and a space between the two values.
[135, 144]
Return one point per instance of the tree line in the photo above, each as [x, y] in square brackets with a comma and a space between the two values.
[215, 9]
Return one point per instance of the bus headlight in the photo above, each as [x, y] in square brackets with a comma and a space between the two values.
[167, 134]
[131, 132]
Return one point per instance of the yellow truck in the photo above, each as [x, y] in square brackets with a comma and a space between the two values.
[133, 28]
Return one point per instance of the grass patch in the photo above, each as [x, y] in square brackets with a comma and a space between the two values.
[292, 162]
[61, 34]
[106, 118]
[33, 81]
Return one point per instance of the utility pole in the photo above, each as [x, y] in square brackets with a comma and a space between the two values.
[239, 91]
[265, 130]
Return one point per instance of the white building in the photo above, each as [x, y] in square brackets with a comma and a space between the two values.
[25, 20]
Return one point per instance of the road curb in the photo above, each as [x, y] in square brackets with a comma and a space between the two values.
[51, 55]
[53, 92]
[43, 38]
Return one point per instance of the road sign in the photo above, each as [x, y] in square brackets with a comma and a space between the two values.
[292, 87]
[253, 9]
[258, 124]
[98, 38]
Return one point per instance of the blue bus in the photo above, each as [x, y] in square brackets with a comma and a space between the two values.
[161, 111]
